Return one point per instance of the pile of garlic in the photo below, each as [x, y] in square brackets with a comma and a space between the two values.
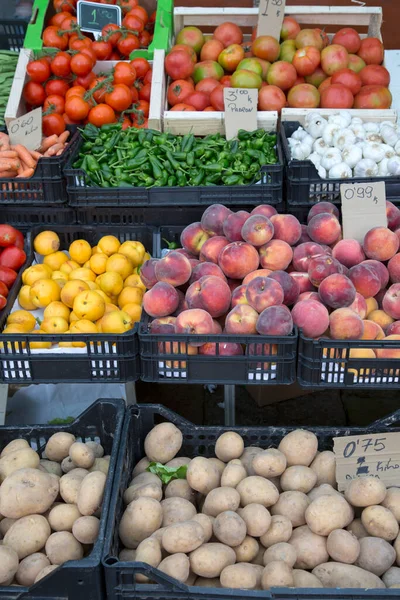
[341, 146]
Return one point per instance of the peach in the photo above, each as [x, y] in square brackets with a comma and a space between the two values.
[193, 238]
[394, 268]
[371, 305]
[311, 317]
[380, 270]
[381, 318]
[217, 327]
[345, 324]
[309, 296]
[183, 305]
[256, 273]
[195, 321]
[303, 253]
[174, 268]
[304, 235]
[213, 219]
[320, 267]
[276, 255]
[393, 215]
[379, 297]
[380, 243]
[257, 230]
[337, 291]
[391, 351]
[221, 349]
[358, 353]
[211, 294]
[239, 296]
[188, 255]
[391, 301]
[303, 280]
[241, 320]
[148, 272]
[322, 207]
[324, 228]
[233, 224]
[233, 283]
[275, 320]
[211, 248]
[348, 253]
[176, 348]
[194, 262]
[394, 328]
[372, 331]
[161, 300]
[286, 228]
[162, 325]
[359, 305]
[397, 232]
[291, 288]
[264, 209]
[206, 268]
[238, 259]
[263, 292]
[365, 280]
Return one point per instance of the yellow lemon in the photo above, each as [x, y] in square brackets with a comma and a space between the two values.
[43, 292]
[55, 260]
[80, 251]
[59, 275]
[24, 298]
[134, 281]
[110, 307]
[111, 283]
[106, 298]
[69, 266]
[36, 272]
[130, 295]
[108, 244]
[135, 251]
[93, 286]
[118, 263]
[37, 345]
[83, 274]
[54, 325]
[46, 243]
[86, 264]
[98, 263]
[73, 317]
[23, 318]
[56, 309]
[71, 289]
[116, 322]
[94, 250]
[89, 305]
[133, 310]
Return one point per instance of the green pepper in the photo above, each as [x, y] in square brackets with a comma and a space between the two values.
[232, 180]
[157, 170]
[92, 164]
[190, 159]
[172, 160]
[215, 167]
[171, 181]
[181, 177]
[181, 156]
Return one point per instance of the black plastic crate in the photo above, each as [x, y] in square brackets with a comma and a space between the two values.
[304, 187]
[268, 191]
[105, 357]
[12, 34]
[326, 363]
[47, 185]
[24, 218]
[108, 215]
[199, 441]
[102, 422]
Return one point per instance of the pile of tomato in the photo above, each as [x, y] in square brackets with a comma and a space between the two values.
[12, 257]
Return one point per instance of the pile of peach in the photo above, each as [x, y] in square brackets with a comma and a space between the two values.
[263, 272]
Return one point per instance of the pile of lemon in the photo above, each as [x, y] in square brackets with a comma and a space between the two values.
[89, 290]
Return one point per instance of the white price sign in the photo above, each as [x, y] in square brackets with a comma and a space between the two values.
[270, 18]
[363, 207]
[27, 130]
[240, 110]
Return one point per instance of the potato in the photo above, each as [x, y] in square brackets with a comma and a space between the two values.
[63, 516]
[229, 528]
[27, 535]
[365, 491]
[228, 446]
[126, 554]
[247, 458]
[30, 567]
[176, 566]
[183, 537]
[310, 548]
[327, 513]
[8, 564]
[392, 501]
[14, 445]
[391, 577]
[343, 546]
[380, 522]
[207, 524]
[247, 550]
[62, 546]
[210, 559]
[257, 490]
[141, 466]
[176, 510]
[240, 575]
[149, 552]
[26, 458]
[376, 555]
[299, 447]
[277, 574]
[219, 464]
[232, 475]
[221, 499]
[205, 582]
[163, 442]
[150, 490]
[97, 448]
[90, 494]
[67, 465]
[259, 569]
[86, 529]
[292, 505]
[325, 489]
[304, 579]
[269, 463]
[144, 479]
[158, 534]
[257, 519]
[280, 552]
[279, 530]
[70, 484]
[27, 492]
[82, 455]
[338, 575]
[46, 571]
[357, 529]
[57, 448]
[396, 546]
[140, 519]
[298, 478]
[100, 464]
[178, 461]
[5, 525]
[51, 466]
[324, 466]
[202, 475]
[179, 488]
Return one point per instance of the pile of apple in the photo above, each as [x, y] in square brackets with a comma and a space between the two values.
[305, 70]
[263, 272]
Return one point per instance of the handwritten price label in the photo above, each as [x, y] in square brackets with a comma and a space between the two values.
[27, 130]
[93, 17]
[372, 455]
[240, 110]
[363, 207]
[270, 17]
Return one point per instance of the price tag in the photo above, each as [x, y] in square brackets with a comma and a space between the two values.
[270, 18]
[363, 207]
[93, 16]
[373, 455]
[240, 110]
[27, 130]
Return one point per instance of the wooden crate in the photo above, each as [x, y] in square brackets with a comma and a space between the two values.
[299, 114]
[16, 106]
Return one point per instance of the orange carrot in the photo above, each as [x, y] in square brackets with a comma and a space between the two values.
[47, 142]
[34, 154]
[24, 155]
[63, 137]
[26, 173]
[52, 151]
[4, 139]
[10, 164]
[8, 154]
[60, 152]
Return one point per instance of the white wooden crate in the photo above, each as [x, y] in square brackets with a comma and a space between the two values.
[299, 114]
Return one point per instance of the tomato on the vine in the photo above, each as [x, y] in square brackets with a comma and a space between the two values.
[145, 92]
[61, 64]
[68, 120]
[140, 123]
[143, 106]
[107, 34]
[120, 98]
[124, 73]
[140, 12]
[81, 64]
[128, 44]
[102, 49]
[152, 18]
[56, 86]
[101, 115]
[75, 90]
[98, 95]
[77, 43]
[141, 66]
[69, 23]
[52, 38]
[58, 18]
[134, 94]
[34, 93]
[85, 80]
[133, 23]
[127, 5]
[54, 102]
[53, 124]
[77, 108]
[126, 122]
[149, 75]
[38, 70]
[144, 38]
[65, 5]
[90, 53]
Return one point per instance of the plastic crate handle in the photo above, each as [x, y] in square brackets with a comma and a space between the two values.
[170, 583]
[145, 411]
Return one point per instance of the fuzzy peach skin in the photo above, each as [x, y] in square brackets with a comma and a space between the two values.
[264, 209]
[359, 306]
[233, 224]
[275, 320]
[211, 248]
[303, 253]
[213, 219]
[348, 252]
[238, 259]
[204, 269]
[290, 286]
[193, 238]
[312, 317]
[276, 255]
[211, 294]
[241, 320]
[324, 228]
[380, 243]
[391, 301]
[322, 207]
[365, 280]
[345, 324]
[337, 291]
[263, 292]
[257, 230]
[287, 228]
[174, 268]
[161, 300]
[194, 321]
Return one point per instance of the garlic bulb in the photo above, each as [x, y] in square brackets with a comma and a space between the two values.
[371, 127]
[315, 124]
[374, 151]
[394, 165]
[356, 121]
[374, 137]
[351, 155]
[343, 138]
[340, 171]
[358, 131]
[388, 150]
[315, 159]
[366, 168]
[383, 167]
[331, 158]
[321, 172]
[320, 147]
[387, 124]
[389, 135]
[397, 147]
[300, 150]
[299, 134]
[343, 119]
[329, 132]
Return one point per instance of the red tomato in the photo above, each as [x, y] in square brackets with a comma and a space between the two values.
[58, 18]
[178, 91]
[119, 98]
[64, 5]
[206, 85]
[187, 49]
[56, 86]
[325, 84]
[90, 53]
[12, 257]
[373, 96]
[184, 107]
[141, 66]
[145, 92]
[349, 38]
[3, 289]
[266, 47]
[7, 276]
[133, 23]
[54, 102]
[149, 76]
[38, 70]
[306, 60]
[52, 38]
[282, 74]
[303, 96]
[102, 49]
[53, 124]
[199, 100]
[228, 33]
[77, 108]
[85, 80]
[126, 122]
[108, 36]
[69, 121]
[98, 95]
[128, 44]
[337, 96]
[8, 236]
[271, 97]
[225, 80]
[68, 23]
[3, 301]
[81, 64]
[78, 43]
[61, 64]
[375, 75]
[217, 98]
[127, 5]
[348, 78]
[209, 109]
[34, 93]
[115, 55]
[124, 73]
[101, 114]
[19, 240]
[140, 12]
[211, 50]
[140, 123]
[143, 107]
[76, 90]
[145, 38]
[134, 94]
[179, 65]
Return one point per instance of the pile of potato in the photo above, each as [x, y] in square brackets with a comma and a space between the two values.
[255, 519]
[49, 507]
